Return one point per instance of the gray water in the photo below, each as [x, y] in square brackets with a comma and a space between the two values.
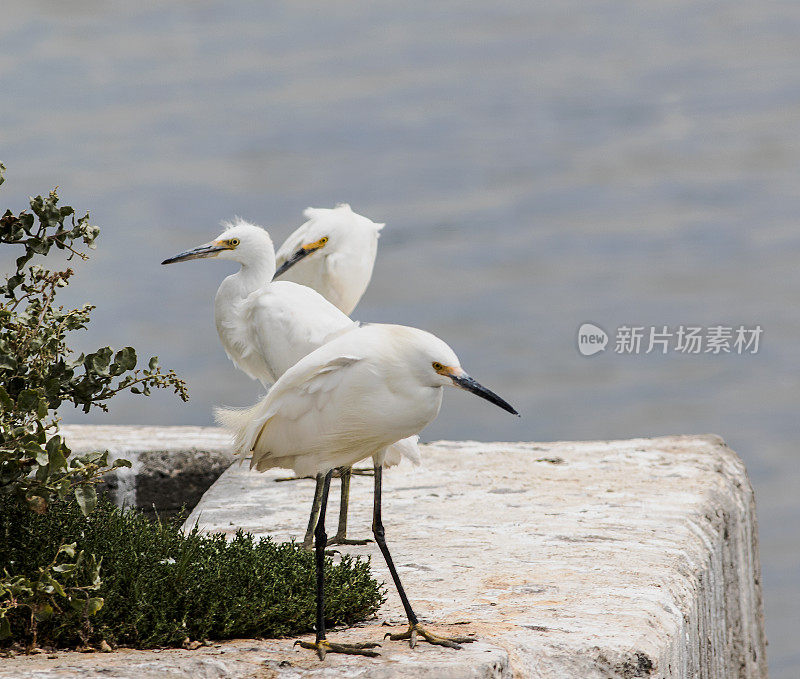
[538, 165]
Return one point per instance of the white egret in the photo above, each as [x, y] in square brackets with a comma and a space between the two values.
[333, 253]
[266, 327]
[343, 402]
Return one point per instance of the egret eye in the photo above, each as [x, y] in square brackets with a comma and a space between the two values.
[438, 367]
[234, 242]
[323, 240]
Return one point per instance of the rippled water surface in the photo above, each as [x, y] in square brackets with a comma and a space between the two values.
[538, 165]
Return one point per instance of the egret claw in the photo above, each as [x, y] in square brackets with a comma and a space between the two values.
[340, 540]
[415, 629]
[323, 647]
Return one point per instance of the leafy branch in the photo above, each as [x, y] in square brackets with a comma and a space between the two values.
[39, 373]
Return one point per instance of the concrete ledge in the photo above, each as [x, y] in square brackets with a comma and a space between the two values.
[172, 466]
[598, 559]
[589, 560]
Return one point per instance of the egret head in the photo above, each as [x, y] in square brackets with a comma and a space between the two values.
[241, 242]
[437, 365]
[328, 231]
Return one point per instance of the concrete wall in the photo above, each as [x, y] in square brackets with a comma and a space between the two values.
[589, 560]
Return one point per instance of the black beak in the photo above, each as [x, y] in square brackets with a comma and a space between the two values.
[289, 263]
[206, 250]
[466, 382]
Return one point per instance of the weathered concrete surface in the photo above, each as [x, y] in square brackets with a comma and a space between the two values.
[251, 659]
[588, 560]
[172, 466]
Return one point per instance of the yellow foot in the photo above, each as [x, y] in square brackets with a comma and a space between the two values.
[343, 540]
[323, 647]
[308, 543]
[417, 629]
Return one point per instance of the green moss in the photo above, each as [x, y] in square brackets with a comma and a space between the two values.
[160, 586]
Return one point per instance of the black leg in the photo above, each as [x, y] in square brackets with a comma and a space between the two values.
[322, 646]
[321, 540]
[341, 532]
[308, 540]
[344, 474]
[380, 538]
[414, 628]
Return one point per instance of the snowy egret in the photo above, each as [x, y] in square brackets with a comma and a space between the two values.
[333, 253]
[343, 402]
[265, 327]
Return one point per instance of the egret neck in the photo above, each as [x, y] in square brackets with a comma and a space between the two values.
[257, 269]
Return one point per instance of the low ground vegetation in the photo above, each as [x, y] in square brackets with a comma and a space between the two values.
[159, 586]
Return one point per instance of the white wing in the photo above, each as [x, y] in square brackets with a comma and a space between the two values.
[286, 321]
[285, 426]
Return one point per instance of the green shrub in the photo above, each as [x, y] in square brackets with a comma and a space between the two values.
[161, 586]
